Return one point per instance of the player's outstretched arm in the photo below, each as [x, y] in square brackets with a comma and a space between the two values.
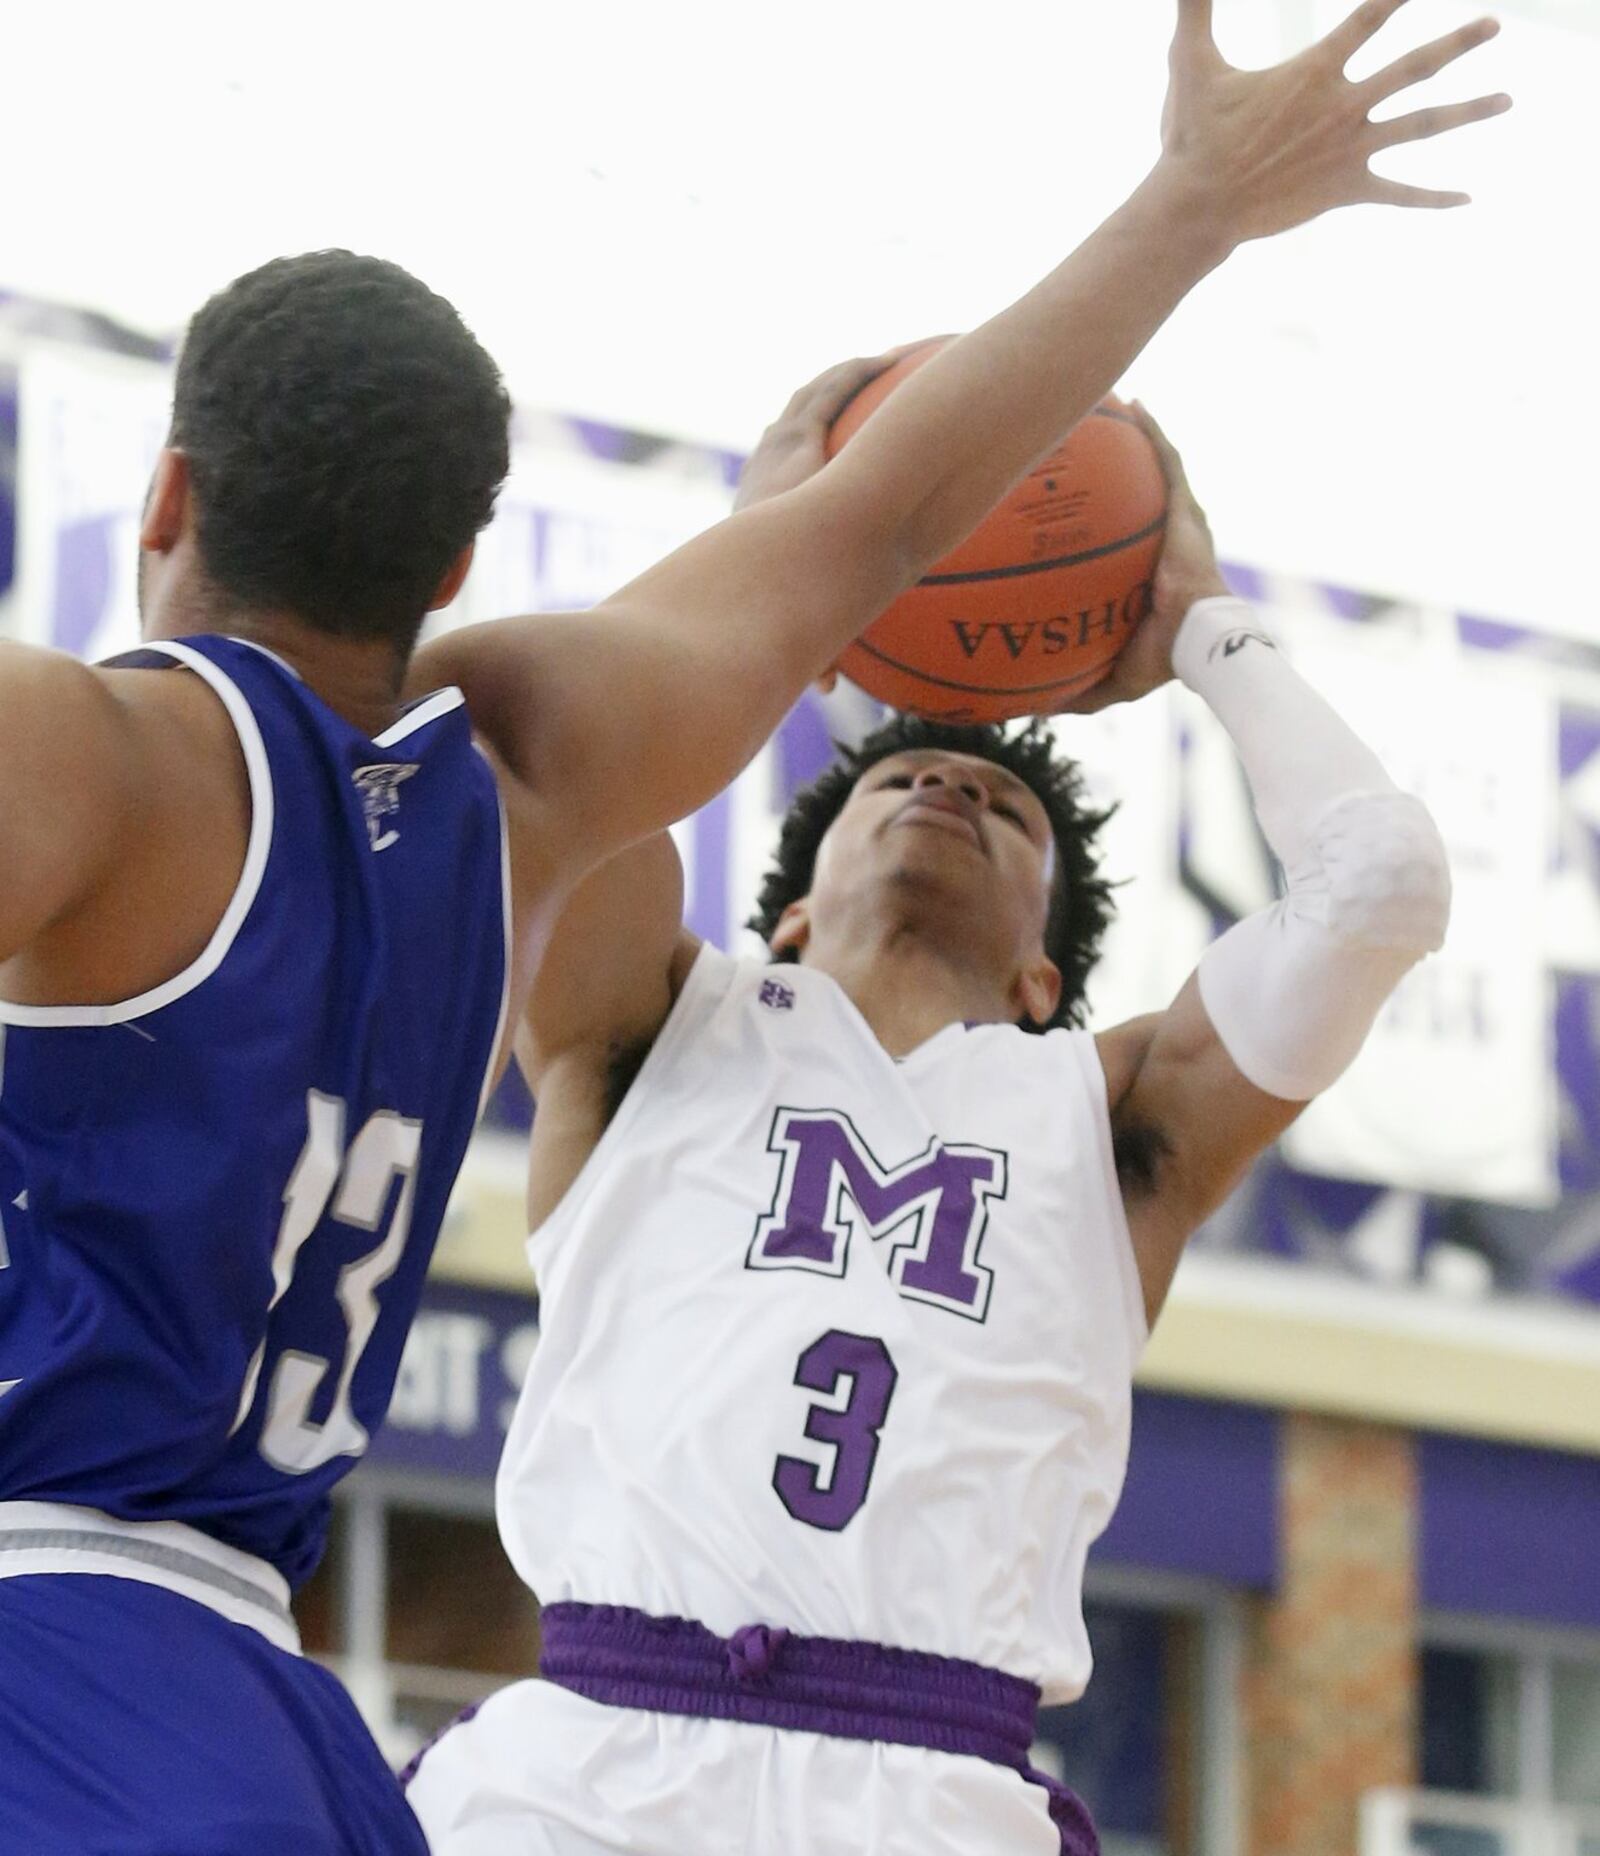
[68, 783]
[1280, 1005]
[636, 714]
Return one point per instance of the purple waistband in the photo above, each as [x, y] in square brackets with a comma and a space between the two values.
[766, 1676]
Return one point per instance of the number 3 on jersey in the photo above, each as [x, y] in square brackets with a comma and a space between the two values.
[385, 1149]
[852, 1429]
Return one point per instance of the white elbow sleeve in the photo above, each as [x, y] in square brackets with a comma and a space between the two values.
[1293, 991]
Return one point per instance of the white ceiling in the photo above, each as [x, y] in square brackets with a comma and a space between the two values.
[667, 212]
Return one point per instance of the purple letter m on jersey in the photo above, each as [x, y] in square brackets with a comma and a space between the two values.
[831, 1183]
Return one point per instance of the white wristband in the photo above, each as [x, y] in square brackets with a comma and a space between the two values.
[1300, 758]
[1213, 631]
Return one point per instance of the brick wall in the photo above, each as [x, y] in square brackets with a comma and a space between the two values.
[1330, 1686]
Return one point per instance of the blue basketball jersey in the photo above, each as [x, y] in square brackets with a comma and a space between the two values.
[218, 1199]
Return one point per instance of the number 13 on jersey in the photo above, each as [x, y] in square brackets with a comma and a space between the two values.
[359, 1184]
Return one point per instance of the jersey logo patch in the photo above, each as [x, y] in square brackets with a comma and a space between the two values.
[935, 1206]
[776, 996]
[378, 786]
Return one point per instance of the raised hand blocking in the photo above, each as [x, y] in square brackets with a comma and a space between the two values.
[1272, 149]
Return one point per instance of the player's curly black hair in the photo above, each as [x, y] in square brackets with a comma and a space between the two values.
[1080, 901]
[346, 438]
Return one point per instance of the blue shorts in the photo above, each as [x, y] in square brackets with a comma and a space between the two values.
[135, 1722]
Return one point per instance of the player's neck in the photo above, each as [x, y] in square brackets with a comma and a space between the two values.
[908, 989]
[358, 678]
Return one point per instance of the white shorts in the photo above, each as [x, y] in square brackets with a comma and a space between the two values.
[539, 1771]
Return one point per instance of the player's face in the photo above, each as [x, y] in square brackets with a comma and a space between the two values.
[954, 839]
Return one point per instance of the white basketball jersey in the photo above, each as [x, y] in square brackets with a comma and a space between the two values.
[834, 1341]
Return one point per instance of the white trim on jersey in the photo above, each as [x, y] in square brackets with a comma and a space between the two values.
[47, 1537]
[244, 894]
[262, 651]
[429, 709]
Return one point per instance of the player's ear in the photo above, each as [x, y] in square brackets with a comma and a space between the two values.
[166, 504]
[794, 928]
[1037, 991]
[450, 585]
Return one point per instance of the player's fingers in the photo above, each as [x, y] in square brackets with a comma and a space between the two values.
[1347, 38]
[1090, 701]
[823, 399]
[1193, 39]
[1194, 20]
[1419, 125]
[891, 355]
[1396, 193]
[1171, 458]
[1427, 60]
[1166, 450]
[833, 383]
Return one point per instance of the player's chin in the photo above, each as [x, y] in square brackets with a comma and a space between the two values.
[954, 884]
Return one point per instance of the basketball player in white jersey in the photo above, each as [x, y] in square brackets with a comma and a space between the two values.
[846, 1263]
[184, 836]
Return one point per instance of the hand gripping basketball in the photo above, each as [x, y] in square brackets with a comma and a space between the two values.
[1035, 603]
[794, 446]
[1272, 149]
[1186, 573]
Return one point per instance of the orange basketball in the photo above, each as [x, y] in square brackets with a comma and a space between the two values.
[1036, 602]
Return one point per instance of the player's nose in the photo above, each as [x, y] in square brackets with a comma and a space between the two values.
[953, 779]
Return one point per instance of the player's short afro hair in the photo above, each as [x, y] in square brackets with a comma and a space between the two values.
[1080, 901]
[346, 438]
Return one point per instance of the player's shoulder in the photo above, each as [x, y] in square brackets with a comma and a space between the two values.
[1122, 1050]
[59, 692]
[173, 730]
[61, 719]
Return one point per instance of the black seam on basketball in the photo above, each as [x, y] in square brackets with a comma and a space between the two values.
[1042, 567]
[981, 689]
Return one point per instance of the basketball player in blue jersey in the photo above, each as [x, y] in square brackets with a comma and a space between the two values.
[267, 902]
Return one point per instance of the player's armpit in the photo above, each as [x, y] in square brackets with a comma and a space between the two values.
[608, 979]
[605, 980]
[68, 785]
[1186, 1125]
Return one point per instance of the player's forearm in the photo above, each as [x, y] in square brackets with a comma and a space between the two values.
[765, 602]
[1299, 756]
[951, 441]
[1293, 990]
